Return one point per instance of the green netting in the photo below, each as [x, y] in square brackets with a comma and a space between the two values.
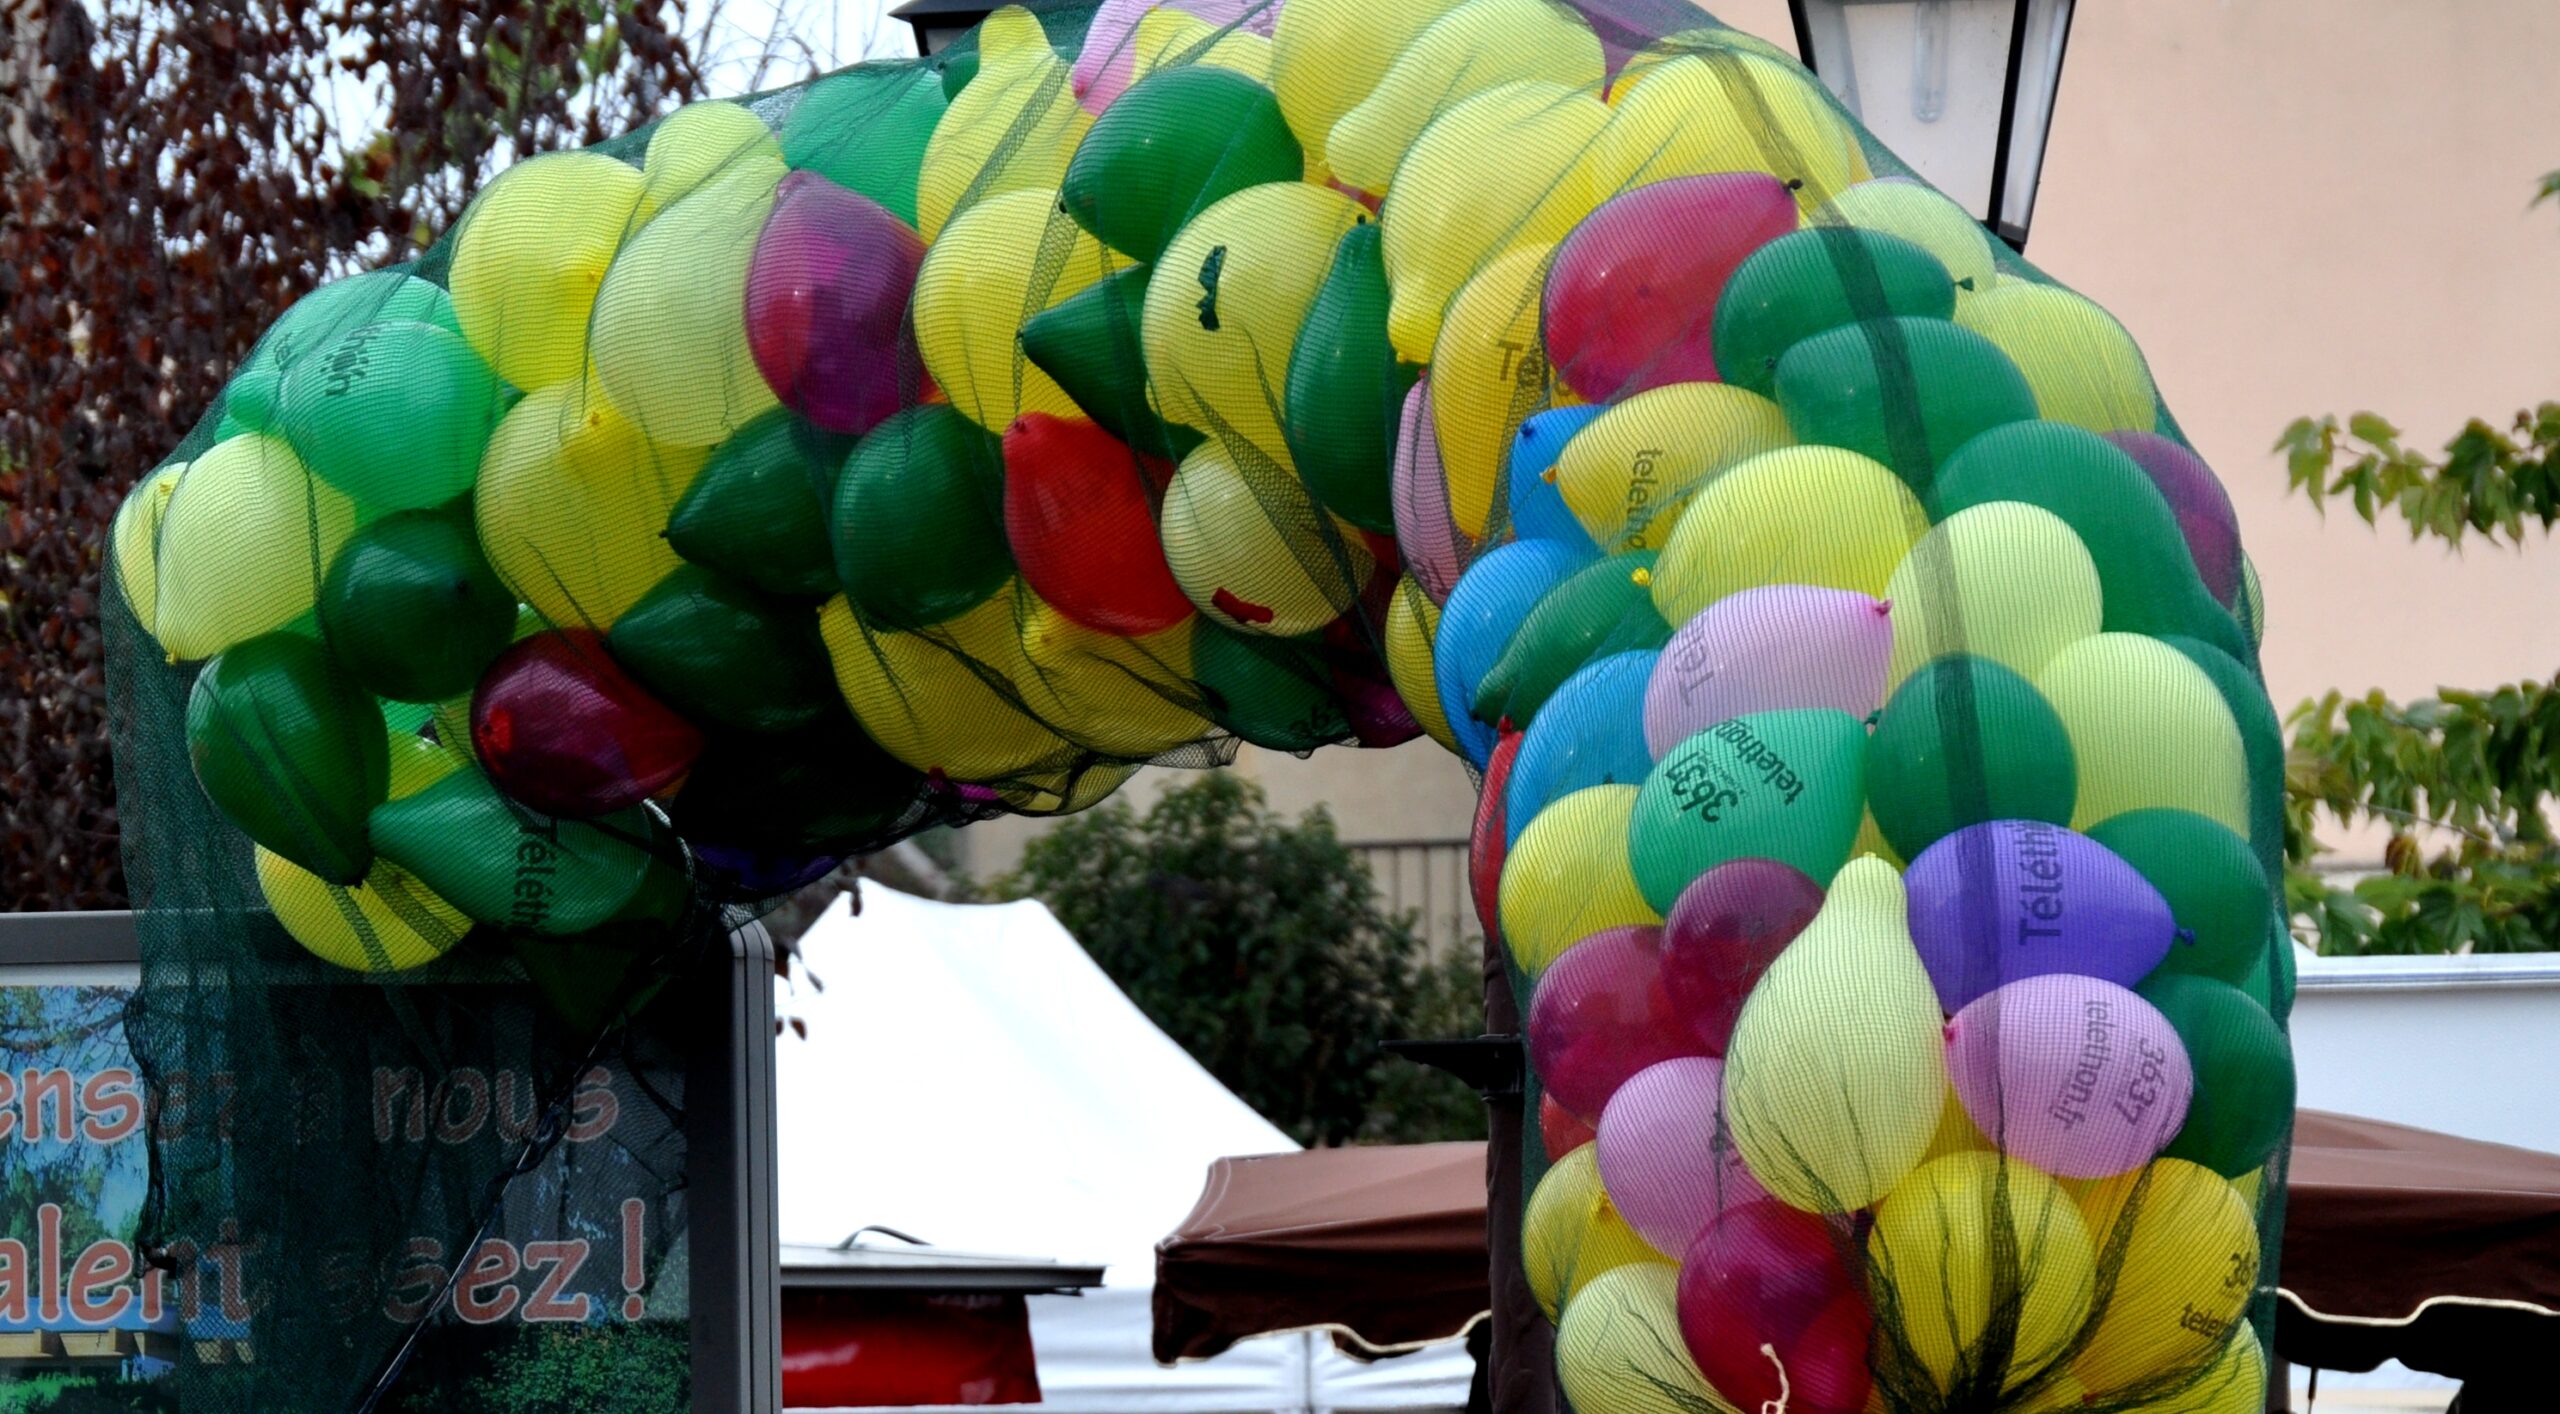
[1882, 801]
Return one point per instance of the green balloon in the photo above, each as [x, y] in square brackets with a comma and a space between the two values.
[1787, 785]
[249, 399]
[1603, 608]
[758, 509]
[1272, 692]
[1962, 741]
[824, 788]
[293, 750]
[1904, 391]
[2243, 1068]
[724, 654]
[343, 306]
[411, 607]
[1346, 388]
[865, 129]
[1089, 343]
[958, 68]
[2261, 744]
[1814, 280]
[2217, 890]
[1168, 148]
[918, 525]
[586, 980]
[505, 866]
[2144, 570]
[395, 415]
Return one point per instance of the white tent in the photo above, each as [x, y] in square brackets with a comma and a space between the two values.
[970, 1077]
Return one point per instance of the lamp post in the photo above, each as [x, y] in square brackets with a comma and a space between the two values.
[1962, 89]
[938, 22]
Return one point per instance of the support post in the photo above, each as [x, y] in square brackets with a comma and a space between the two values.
[734, 1250]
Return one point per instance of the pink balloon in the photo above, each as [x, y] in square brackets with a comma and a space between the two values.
[1435, 550]
[2077, 1076]
[1780, 646]
[1771, 1309]
[826, 313]
[1601, 1014]
[1631, 301]
[1724, 931]
[1665, 1156]
[1110, 50]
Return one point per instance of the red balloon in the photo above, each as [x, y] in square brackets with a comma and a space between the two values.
[1485, 847]
[1772, 1313]
[1080, 513]
[562, 729]
[1631, 301]
[1560, 1129]
[1724, 931]
[1601, 1013]
[826, 306]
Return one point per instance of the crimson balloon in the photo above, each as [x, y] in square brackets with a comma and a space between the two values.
[1773, 1315]
[1724, 931]
[562, 728]
[1080, 514]
[1631, 302]
[826, 311]
[1601, 1013]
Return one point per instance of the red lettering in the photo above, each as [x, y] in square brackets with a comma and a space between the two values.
[472, 1088]
[8, 1106]
[13, 1280]
[35, 1088]
[515, 1107]
[103, 1267]
[559, 1262]
[111, 1104]
[155, 1295]
[229, 1259]
[388, 1086]
[594, 1108]
[487, 1290]
[424, 1275]
[48, 1256]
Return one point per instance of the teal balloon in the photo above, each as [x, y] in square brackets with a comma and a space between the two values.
[1168, 148]
[508, 867]
[2244, 1089]
[1346, 388]
[293, 749]
[1963, 741]
[342, 307]
[1271, 692]
[411, 607]
[1813, 281]
[1089, 343]
[1787, 785]
[826, 787]
[1906, 392]
[249, 399]
[396, 415]
[726, 654]
[2216, 888]
[865, 130]
[757, 511]
[2145, 571]
[918, 524]
[1606, 607]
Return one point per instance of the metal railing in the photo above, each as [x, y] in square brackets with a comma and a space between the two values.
[1428, 879]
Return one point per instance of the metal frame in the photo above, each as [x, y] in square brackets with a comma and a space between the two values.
[732, 1193]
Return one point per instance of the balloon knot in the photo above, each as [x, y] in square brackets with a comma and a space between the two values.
[1779, 1404]
[1642, 576]
[1795, 184]
[2187, 937]
[1875, 717]
[1548, 476]
[1884, 608]
[1947, 1033]
[1965, 284]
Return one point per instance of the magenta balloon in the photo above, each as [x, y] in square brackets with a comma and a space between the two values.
[2202, 507]
[2078, 1077]
[1783, 645]
[1665, 1156]
[827, 296]
[1110, 49]
[1724, 931]
[1631, 301]
[1435, 550]
[1600, 1014]
[1773, 1314]
[560, 727]
[2007, 899]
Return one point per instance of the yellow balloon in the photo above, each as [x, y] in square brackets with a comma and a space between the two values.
[701, 143]
[1001, 261]
[1729, 111]
[1253, 551]
[670, 329]
[1956, 1133]
[531, 253]
[2148, 729]
[573, 505]
[1568, 876]
[1502, 171]
[1934, 1246]
[417, 763]
[1570, 1234]
[1798, 515]
[1836, 1077]
[921, 695]
[1629, 473]
[2081, 363]
[1488, 373]
[1691, 42]
[1618, 1348]
[1225, 302]
[1412, 622]
[245, 539]
[134, 541]
[388, 923]
[1326, 55]
[1177, 37]
[2189, 1265]
[1899, 206]
[1480, 45]
[1871, 840]
[2003, 580]
[1012, 129]
[2235, 1383]
[1128, 697]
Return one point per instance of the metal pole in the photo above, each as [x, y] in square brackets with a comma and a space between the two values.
[734, 1250]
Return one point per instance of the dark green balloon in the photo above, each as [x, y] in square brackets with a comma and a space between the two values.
[1168, 148]
[293, 750]
[2148, 577]
[958, 68]
[724, 654]
[249, 399]
[918, 525]
[411, 607]
[1272, 692]
[1905, 391]
[1815, 280]
[1962, 741]
[508, 867]
[824, 788]
[2216, 889]
[1603, 608]
[1089, 343]
[865, 130]
[2261, 744]
[2243, 1072]
[758, 509]
[1346, 388]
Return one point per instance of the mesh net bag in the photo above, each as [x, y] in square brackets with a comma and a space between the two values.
[1882, 805]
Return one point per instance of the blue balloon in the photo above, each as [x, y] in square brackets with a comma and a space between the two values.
[1537, 508]
[1589, 733]
[1485, 607]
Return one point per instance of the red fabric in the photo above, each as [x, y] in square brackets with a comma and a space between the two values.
[843, 1348]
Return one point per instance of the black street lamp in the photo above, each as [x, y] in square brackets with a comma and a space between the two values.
[938, 22]
[1961, 89]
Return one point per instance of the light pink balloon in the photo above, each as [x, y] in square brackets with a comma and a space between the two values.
[1784, 645]
[1433, 546]
[2077, 1076]
[1665, 1156]
[1110, 49]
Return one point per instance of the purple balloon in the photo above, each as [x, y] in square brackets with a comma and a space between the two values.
[2078, 1077]
[827, 294]
[1766, 649]
[1435, 550]
[2197, 499]
[2008, 899]
[1665, 1155]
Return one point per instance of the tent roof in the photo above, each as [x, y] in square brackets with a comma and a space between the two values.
[971, 1077]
